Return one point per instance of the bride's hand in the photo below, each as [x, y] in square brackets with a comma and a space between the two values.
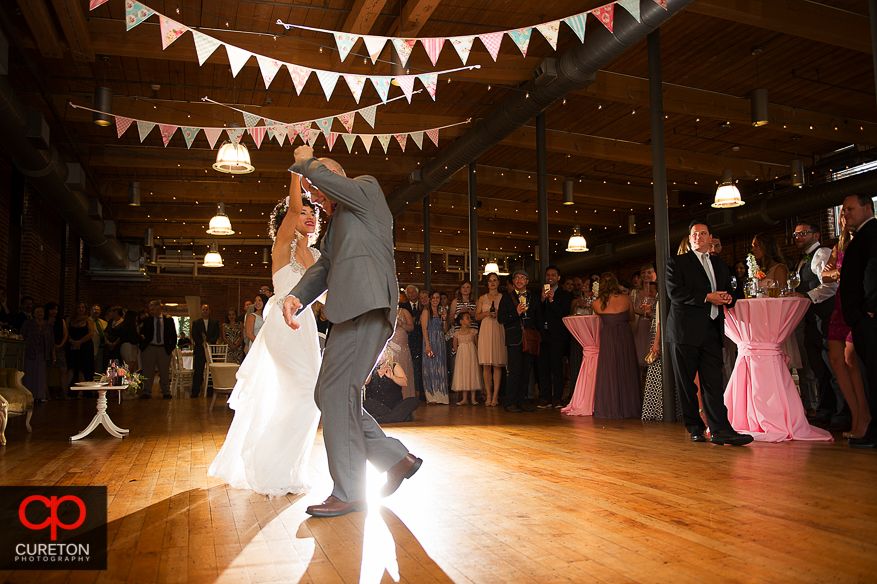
[290, 306]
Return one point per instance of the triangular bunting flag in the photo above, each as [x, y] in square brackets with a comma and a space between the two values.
[236, 58]
[631, 6]
[402, 139]
[325, 124]
[310, 136]
[234, 134]
[355, 83]
[269, 129]
[122, 124]
[167, 131]
[330, 139]
[433, 48]
[406, 84]
[346, 120]
[382, 84]
[521, 37]
[269, 68]
[433, 135]
[345, 41]
[171, 30]
[368, 114]
[551, 29]
[403, 48]
[280, 134]
[662, 3]
[463, 46]
[328, 79]
[349, 139]
[144, 128]
[250, 120]
[135, 13]
[491, 42]
[418, 139]
[577, 23]
[373, 46]
[606, 15]
[301, 128]
[95, 3]
[258, 134]
[384, 139]
[429, 80]
[189, 135]
[299, 76]
[204, 45]
[367, 141]
[212, 135]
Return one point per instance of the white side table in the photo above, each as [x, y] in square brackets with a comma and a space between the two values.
[101, 418]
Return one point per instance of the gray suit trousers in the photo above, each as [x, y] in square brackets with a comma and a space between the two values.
[351, 435]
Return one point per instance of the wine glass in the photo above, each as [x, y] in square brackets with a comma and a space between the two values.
[794, 280]
[733, 282]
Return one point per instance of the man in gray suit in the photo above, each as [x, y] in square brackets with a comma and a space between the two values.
[357, 267]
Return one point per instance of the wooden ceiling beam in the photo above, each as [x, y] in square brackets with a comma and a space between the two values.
[143, 42]
[415, 13]
[42, 27]
[801, 18]
[700, 103]
[75, 29]
[360, 20]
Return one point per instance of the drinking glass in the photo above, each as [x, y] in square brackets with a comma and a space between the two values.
[733, 282]
[794, 280]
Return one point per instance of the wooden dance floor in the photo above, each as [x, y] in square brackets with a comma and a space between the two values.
[501, 497]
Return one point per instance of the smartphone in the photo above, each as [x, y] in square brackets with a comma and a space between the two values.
[547, 287]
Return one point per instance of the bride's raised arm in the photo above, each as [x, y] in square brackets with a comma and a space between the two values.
[286, 232]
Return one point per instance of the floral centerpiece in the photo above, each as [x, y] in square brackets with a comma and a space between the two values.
[132, 381]
[595, 289]
[752, 267]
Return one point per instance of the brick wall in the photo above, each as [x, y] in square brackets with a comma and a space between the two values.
[5, 179]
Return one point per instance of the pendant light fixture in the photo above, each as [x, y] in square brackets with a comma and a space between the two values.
[103, 100]
[568, 188]
[212, 259]
[220, 224]
[727, 195]
[797, 167]
[233, 158]
[504, 271]
[491, 268]
[147, 237]
[577, 243]
[134, 193]
[758, 97]
[266, 255]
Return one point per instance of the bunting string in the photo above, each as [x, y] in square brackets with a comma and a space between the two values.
[205, 45]
[279, 131]
[605, 14]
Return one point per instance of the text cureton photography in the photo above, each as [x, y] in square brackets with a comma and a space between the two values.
[53, 528]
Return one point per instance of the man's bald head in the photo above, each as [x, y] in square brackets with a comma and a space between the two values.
[333, 166]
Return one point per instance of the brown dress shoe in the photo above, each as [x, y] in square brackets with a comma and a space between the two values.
[405, 469]
[333, 507]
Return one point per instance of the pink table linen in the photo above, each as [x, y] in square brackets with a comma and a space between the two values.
[586, 330]
[761, 397]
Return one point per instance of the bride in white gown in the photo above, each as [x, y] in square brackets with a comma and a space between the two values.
[268, 446]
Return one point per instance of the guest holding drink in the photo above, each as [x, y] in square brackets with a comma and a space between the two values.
[771, 261]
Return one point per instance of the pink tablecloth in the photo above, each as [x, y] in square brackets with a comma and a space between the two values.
[586, 330]
[761, 397]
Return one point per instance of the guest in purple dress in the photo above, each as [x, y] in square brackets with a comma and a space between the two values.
[39, 349]
[617, 393]
[841, 353]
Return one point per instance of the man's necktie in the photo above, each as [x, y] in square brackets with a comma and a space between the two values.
[704, 259]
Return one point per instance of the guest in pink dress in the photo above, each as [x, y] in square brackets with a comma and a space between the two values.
[841, 353]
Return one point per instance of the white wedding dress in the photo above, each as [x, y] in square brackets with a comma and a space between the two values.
[268, 446]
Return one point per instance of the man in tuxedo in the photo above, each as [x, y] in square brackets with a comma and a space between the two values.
[697, 287]
[415, 338]
[203, 329]
[519, 310]
[812, 331]
[555, 336]
[159, 340]
[858, 298]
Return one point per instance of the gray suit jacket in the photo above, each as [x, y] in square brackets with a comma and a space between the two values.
[357, 264]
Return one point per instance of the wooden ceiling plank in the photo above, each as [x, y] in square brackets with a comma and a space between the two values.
[75, 29]
[801, 18]
[360, 20]
[415, 13]
[38, 19]
[695, 102]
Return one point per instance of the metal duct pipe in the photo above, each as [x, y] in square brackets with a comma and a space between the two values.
[48, 174]
[758, 215]
[574, 69]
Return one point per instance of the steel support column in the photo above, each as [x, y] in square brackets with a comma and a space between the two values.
[427, 252]
[473, 230]
[542, 196]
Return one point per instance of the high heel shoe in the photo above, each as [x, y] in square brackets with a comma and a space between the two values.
[852, 436]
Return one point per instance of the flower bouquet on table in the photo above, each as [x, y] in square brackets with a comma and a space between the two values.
[756, 276]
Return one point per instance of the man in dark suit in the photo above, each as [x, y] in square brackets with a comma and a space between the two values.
[415, 338]
[203, 329]
[159, 340]
[555, 336]
[517, 311]
[858, 298]
[697, 287]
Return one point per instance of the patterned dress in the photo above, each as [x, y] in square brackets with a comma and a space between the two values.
[435, 368]
[233, 334]
[653, 397]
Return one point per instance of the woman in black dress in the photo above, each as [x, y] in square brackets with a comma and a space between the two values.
[80, 348]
